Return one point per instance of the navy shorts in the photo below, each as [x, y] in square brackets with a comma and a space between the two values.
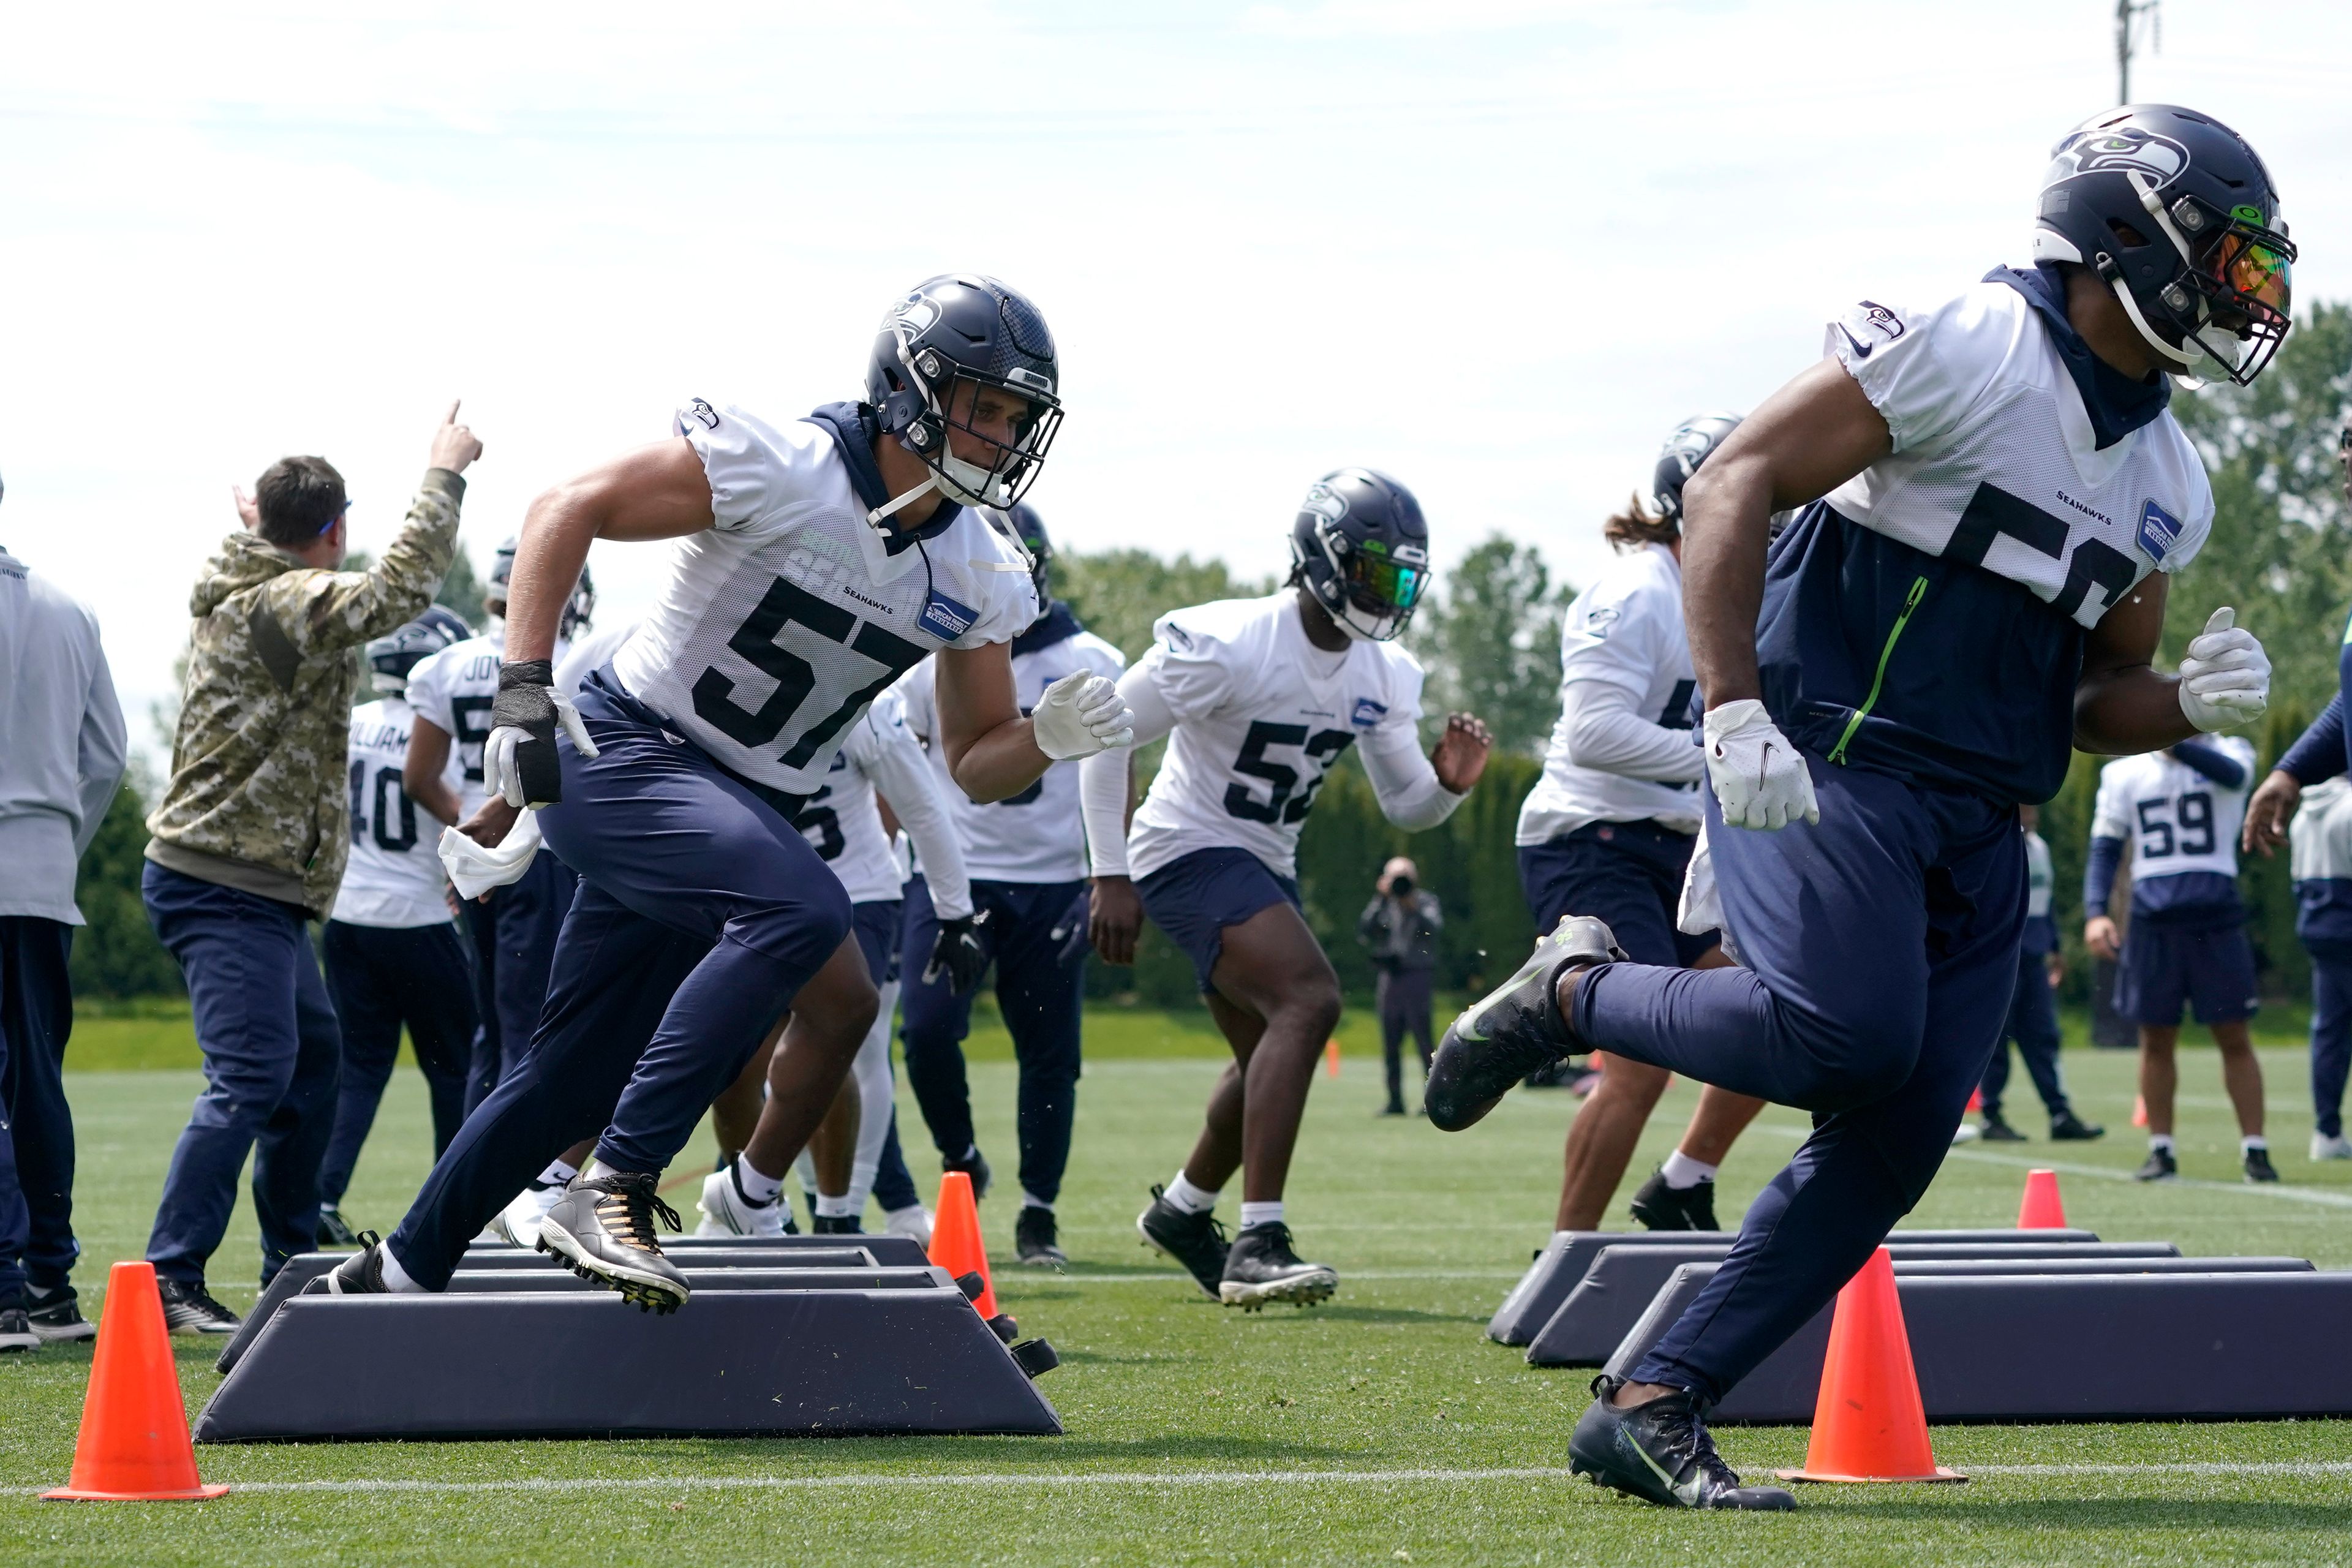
[1629, 874]
[1195, 897]
[2211, 968]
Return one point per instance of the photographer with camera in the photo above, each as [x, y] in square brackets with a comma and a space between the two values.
[1399, 927]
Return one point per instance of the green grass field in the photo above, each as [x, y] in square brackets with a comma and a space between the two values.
[1380, 1429]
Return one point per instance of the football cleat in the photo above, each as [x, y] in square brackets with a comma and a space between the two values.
[1514, 1029]
[2324, 1147]
[334, 1230]
[914, 1220]
[518, 1223]
[16, 1331]
[602, 1227]
[1659, 1452]
[190, 1309]
[837, 1225]
[2259, 1167]
[727, 1211]
[1261, 1268]
[55, 1315]
[362, 1274]
[1036, 1241]
[1661, 1207]
[1196, 1240]
[2161, 1167]
[1996, 1131]
[2068, 1128]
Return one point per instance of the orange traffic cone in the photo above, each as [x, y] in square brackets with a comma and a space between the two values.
[1331, 1058]
[1868, 1424]
[1976, 1101]
[133, 1446]
[956, 1246]
[2041, 1209]
[2139, 1111]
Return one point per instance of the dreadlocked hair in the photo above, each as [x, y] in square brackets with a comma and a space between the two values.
[1637, 525]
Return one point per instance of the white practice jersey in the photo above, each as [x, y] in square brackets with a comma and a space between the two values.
[841, 821]
[2176, 819]
[589, 653]
[453, 690]
[1035, 835]
[393, 877]
[1994, 460]
[2319, 842]
[1262, 714]
[1623, 656]
[787, 617]
[2041, 878]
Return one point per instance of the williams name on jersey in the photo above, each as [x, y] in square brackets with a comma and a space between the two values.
[393, 877]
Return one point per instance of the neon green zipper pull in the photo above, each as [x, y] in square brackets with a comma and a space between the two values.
[1910, 603]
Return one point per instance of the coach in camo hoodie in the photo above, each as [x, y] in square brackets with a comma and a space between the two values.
[250, 839]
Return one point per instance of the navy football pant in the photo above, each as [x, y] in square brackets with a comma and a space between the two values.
[36, 1134]
[1040, 997]
[272, 1052]
[2033, 1025]
[514, 951]
[380, 978]
[700, 912]
[1882, 947]
[2331, 1041]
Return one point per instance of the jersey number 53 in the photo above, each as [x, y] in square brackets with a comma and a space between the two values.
[1280, 806]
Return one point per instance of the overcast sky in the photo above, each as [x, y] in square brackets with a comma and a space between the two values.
[1496, 246]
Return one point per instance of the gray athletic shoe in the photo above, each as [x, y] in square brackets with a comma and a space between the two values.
[1513, 1030]
[55, 1315]
[602, 1227]
[16, 1331]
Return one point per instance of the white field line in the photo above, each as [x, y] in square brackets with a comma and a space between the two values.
[2298, 1470]
[2321, 1196]
[1047, 1277]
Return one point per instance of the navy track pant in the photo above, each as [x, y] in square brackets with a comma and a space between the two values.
[272, 1053]
[37, 1133]
[2331, 1040]
[2033, 1025]
[514, 933]
[700, 912]
[1882, 951]
[1040, 995]
[382, 977]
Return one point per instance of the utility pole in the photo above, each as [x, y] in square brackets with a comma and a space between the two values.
[2129, 15]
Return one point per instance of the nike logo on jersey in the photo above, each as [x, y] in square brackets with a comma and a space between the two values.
[1867, 325]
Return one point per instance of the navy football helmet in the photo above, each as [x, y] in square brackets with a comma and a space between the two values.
[391, 657]
[1361, 548]
[1022, 524]
[578, 610]
[2176, 214]
[940, 346]
[1693, 442]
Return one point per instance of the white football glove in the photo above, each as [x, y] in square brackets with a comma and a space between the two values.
[2225, 675]
[1080, 714]
[1759, 778]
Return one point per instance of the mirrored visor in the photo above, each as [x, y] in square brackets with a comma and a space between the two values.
[1375, 582]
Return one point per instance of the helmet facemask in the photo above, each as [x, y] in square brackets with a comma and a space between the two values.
[2227, 306]
[1369, 591]
[952, 395]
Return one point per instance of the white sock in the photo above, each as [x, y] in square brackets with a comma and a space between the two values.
[911, 1213]
[1681, 1171]
[757, 1184]
[2160, 1141]
[842, 1207]
[396, 1277]
[596, 1169]
[1262, 1214]
[1030, 1200]
[1182, 1194]
[558, 1173]
[2248, 1145]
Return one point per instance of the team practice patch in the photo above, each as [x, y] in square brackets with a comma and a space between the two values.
[2159, 531]
[946, 619]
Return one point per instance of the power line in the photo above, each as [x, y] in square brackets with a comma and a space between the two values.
[2135, 20]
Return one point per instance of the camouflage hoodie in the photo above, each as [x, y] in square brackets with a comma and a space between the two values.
[257, 799]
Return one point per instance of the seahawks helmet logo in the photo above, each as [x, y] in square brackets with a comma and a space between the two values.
[914, 315]
[2128, 150]
[1326, 503]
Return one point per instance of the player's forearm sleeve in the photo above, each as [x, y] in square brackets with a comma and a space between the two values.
[1103, 777]
[2319, 754]
[2099, 875]
[2211, 762]
[1605, 732]
[1407, 785]
[906, 782]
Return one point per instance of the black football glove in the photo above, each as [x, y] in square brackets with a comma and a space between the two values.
[961, 954]
[518, 760]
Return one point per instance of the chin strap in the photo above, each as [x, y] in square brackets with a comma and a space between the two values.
[880, 517]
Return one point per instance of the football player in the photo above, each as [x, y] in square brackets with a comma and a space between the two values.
[1262, 697]
[1608, 831]
[514, 926]
[2179, 811]
[843, 824]
[817, 562]
[392, 949]
[1027, 856]
[1980, 589]
[2034, 1011]
[2321, 863]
